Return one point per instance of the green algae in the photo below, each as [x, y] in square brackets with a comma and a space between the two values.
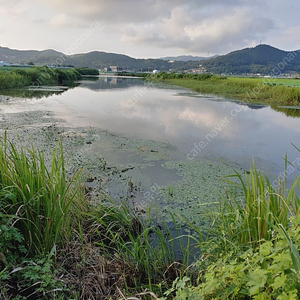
[198, 192]
[155, 171]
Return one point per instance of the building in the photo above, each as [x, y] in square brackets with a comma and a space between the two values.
[4, 63]
[116, 69]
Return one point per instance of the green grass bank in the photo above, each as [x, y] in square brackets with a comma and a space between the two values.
[36, 76]
[251, 90]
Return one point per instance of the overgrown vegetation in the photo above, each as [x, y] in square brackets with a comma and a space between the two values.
[38, 209]
[255, 90]
[50, 231]
[253, 250]
[88, 71]
[55, 245]
[36, 76]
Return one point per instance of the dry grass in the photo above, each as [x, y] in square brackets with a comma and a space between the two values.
[89, 272]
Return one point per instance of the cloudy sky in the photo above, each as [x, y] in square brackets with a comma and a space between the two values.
[149, 28]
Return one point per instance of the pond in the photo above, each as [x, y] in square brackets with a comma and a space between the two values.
[164, 143]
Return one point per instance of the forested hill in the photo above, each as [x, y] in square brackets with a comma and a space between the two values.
[95, 59]
[262, 59]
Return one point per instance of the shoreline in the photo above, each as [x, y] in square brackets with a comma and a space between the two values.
[249, 90]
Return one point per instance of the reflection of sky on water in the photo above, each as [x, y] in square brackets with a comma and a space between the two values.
[166, 115]
[108, 83]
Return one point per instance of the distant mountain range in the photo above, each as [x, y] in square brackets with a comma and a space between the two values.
[187, 58]
[262, 59]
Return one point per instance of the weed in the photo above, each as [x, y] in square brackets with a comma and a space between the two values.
[41, 201]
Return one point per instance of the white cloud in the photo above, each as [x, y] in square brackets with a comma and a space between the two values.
[152, 27]
[59, 20]
[198, 33]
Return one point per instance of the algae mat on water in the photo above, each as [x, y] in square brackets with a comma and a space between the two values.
[198, 192]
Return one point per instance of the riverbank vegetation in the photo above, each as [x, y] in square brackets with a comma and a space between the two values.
[36, 76]
[55, 244]
[251, 90]
[88, 71]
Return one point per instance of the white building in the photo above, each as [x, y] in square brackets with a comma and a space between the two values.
[4, 63]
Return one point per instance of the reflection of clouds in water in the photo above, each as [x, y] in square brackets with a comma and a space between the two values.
[199, 119]
[281, 120]
[159, 115]
[189, 116]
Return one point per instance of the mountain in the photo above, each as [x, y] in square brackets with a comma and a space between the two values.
[186, 58]
[262, 59]
[25, 56]
[95, 59]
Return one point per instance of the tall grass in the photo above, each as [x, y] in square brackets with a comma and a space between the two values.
[251, 219]
[41, 200]
[246, 89]
[10, 80]
[151, 253]
[19, 77]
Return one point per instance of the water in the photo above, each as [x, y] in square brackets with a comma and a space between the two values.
[197, 125]
[180, 126]
[169, 125]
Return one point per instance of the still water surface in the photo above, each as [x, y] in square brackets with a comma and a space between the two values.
[197, 125]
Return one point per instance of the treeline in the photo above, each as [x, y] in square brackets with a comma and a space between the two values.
[36, 76]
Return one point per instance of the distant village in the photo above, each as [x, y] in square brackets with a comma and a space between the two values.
[30, 65]
[110, 69]
[116, 69]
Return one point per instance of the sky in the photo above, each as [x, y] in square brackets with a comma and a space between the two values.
[149, 28]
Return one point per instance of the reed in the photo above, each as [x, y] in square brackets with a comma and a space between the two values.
[252, 90]
[151, 253]
[16, 77]
[252, 218]
[41, 200]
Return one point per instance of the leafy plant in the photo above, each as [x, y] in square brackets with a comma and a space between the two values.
[12, 244]
[34, 279]
[264, 272]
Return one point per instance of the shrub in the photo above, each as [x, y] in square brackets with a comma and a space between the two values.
[87, 71]
[265, 272]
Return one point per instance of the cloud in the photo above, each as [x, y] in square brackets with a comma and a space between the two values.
[190, 26]
[287, 36]
[60, 20]
[202, 31]
[135, 11]
[14, 8]
[154, 27]
[113, 11]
